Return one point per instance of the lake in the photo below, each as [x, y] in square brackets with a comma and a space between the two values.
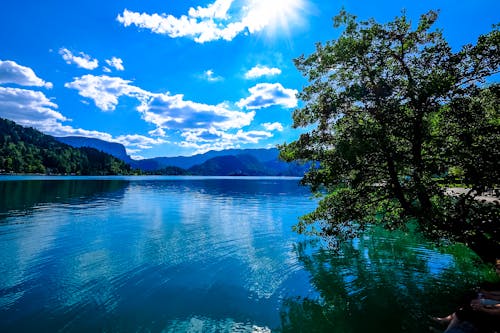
[205, 254]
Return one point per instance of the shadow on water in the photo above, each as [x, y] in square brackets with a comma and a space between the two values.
[22, 196]
[382, 282]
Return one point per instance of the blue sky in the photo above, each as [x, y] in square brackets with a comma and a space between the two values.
[179, 77]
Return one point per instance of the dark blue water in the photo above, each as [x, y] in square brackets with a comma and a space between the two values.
[160, 254]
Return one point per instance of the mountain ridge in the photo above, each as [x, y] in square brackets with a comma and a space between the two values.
[255, 161]
[249, 162]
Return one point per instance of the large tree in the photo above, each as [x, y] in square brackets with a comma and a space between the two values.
[396, 116]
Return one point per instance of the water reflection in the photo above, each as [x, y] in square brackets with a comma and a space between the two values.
[382, 282]
[22, 196]
[148, 254]
[24, 247]
[210, 255]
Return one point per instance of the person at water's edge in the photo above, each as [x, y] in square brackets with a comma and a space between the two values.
[480, 311]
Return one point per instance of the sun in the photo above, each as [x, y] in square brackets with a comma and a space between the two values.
[275, 16]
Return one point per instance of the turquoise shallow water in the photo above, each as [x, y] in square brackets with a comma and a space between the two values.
[181, 254]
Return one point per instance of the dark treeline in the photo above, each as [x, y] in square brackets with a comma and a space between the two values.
[26, 150]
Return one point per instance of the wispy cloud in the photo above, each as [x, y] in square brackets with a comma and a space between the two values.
[264, 95]
[259, 71]
[203, 140]
[223, 19]
[116, 63]
[11, 72]
[210, 76]
[158, 132]
[139, 141]
[82, 60]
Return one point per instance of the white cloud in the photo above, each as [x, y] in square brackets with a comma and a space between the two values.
[105, 90]
[139, 141]
[202, 126]
[259, 71]
[115, 62]
[201, 31]
[220, 20]
[33, 109]
[210, 76]
[158, 132]
[132, 142]
[273, 126]
[264, 95]
[82, 60]
[11, 72]
[173, 112]
[58, 129]
[203, 140]
[164, 110]
[27, 106]
[218, 9]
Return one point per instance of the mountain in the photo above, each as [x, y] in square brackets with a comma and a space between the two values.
[112, 148]
[152, 164]
[250, 162]
[230, 165]
[26, 150]
[246, 165]
[255, 162]
[186, 162]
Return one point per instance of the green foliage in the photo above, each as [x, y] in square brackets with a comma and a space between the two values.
[397, 116]
[26, 150]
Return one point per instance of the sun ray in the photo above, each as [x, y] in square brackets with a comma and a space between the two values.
[275, 15]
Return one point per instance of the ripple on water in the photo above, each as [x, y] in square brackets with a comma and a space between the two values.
[183, 255]
[202, 324]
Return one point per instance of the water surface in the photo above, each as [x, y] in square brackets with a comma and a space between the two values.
[175, 254]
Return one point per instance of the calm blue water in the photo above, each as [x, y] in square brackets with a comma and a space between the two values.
[174, 254]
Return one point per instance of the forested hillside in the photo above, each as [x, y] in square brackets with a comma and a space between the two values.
[26, 150]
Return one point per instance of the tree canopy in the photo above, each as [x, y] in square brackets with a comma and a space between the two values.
[26, 150]
[396, 117]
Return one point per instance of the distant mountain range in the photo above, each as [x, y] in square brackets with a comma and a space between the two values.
[245, 162]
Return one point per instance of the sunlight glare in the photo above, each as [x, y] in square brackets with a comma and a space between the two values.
[275, 15]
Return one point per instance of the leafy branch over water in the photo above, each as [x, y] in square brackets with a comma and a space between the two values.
[397, 117]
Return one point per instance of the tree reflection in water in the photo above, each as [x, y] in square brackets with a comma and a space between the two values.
[23, 196]
[381, 282]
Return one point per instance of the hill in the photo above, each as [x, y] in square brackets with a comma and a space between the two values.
[211, 163]
[187, 162]
[26, 150]
[246, 165]
[230, 165]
